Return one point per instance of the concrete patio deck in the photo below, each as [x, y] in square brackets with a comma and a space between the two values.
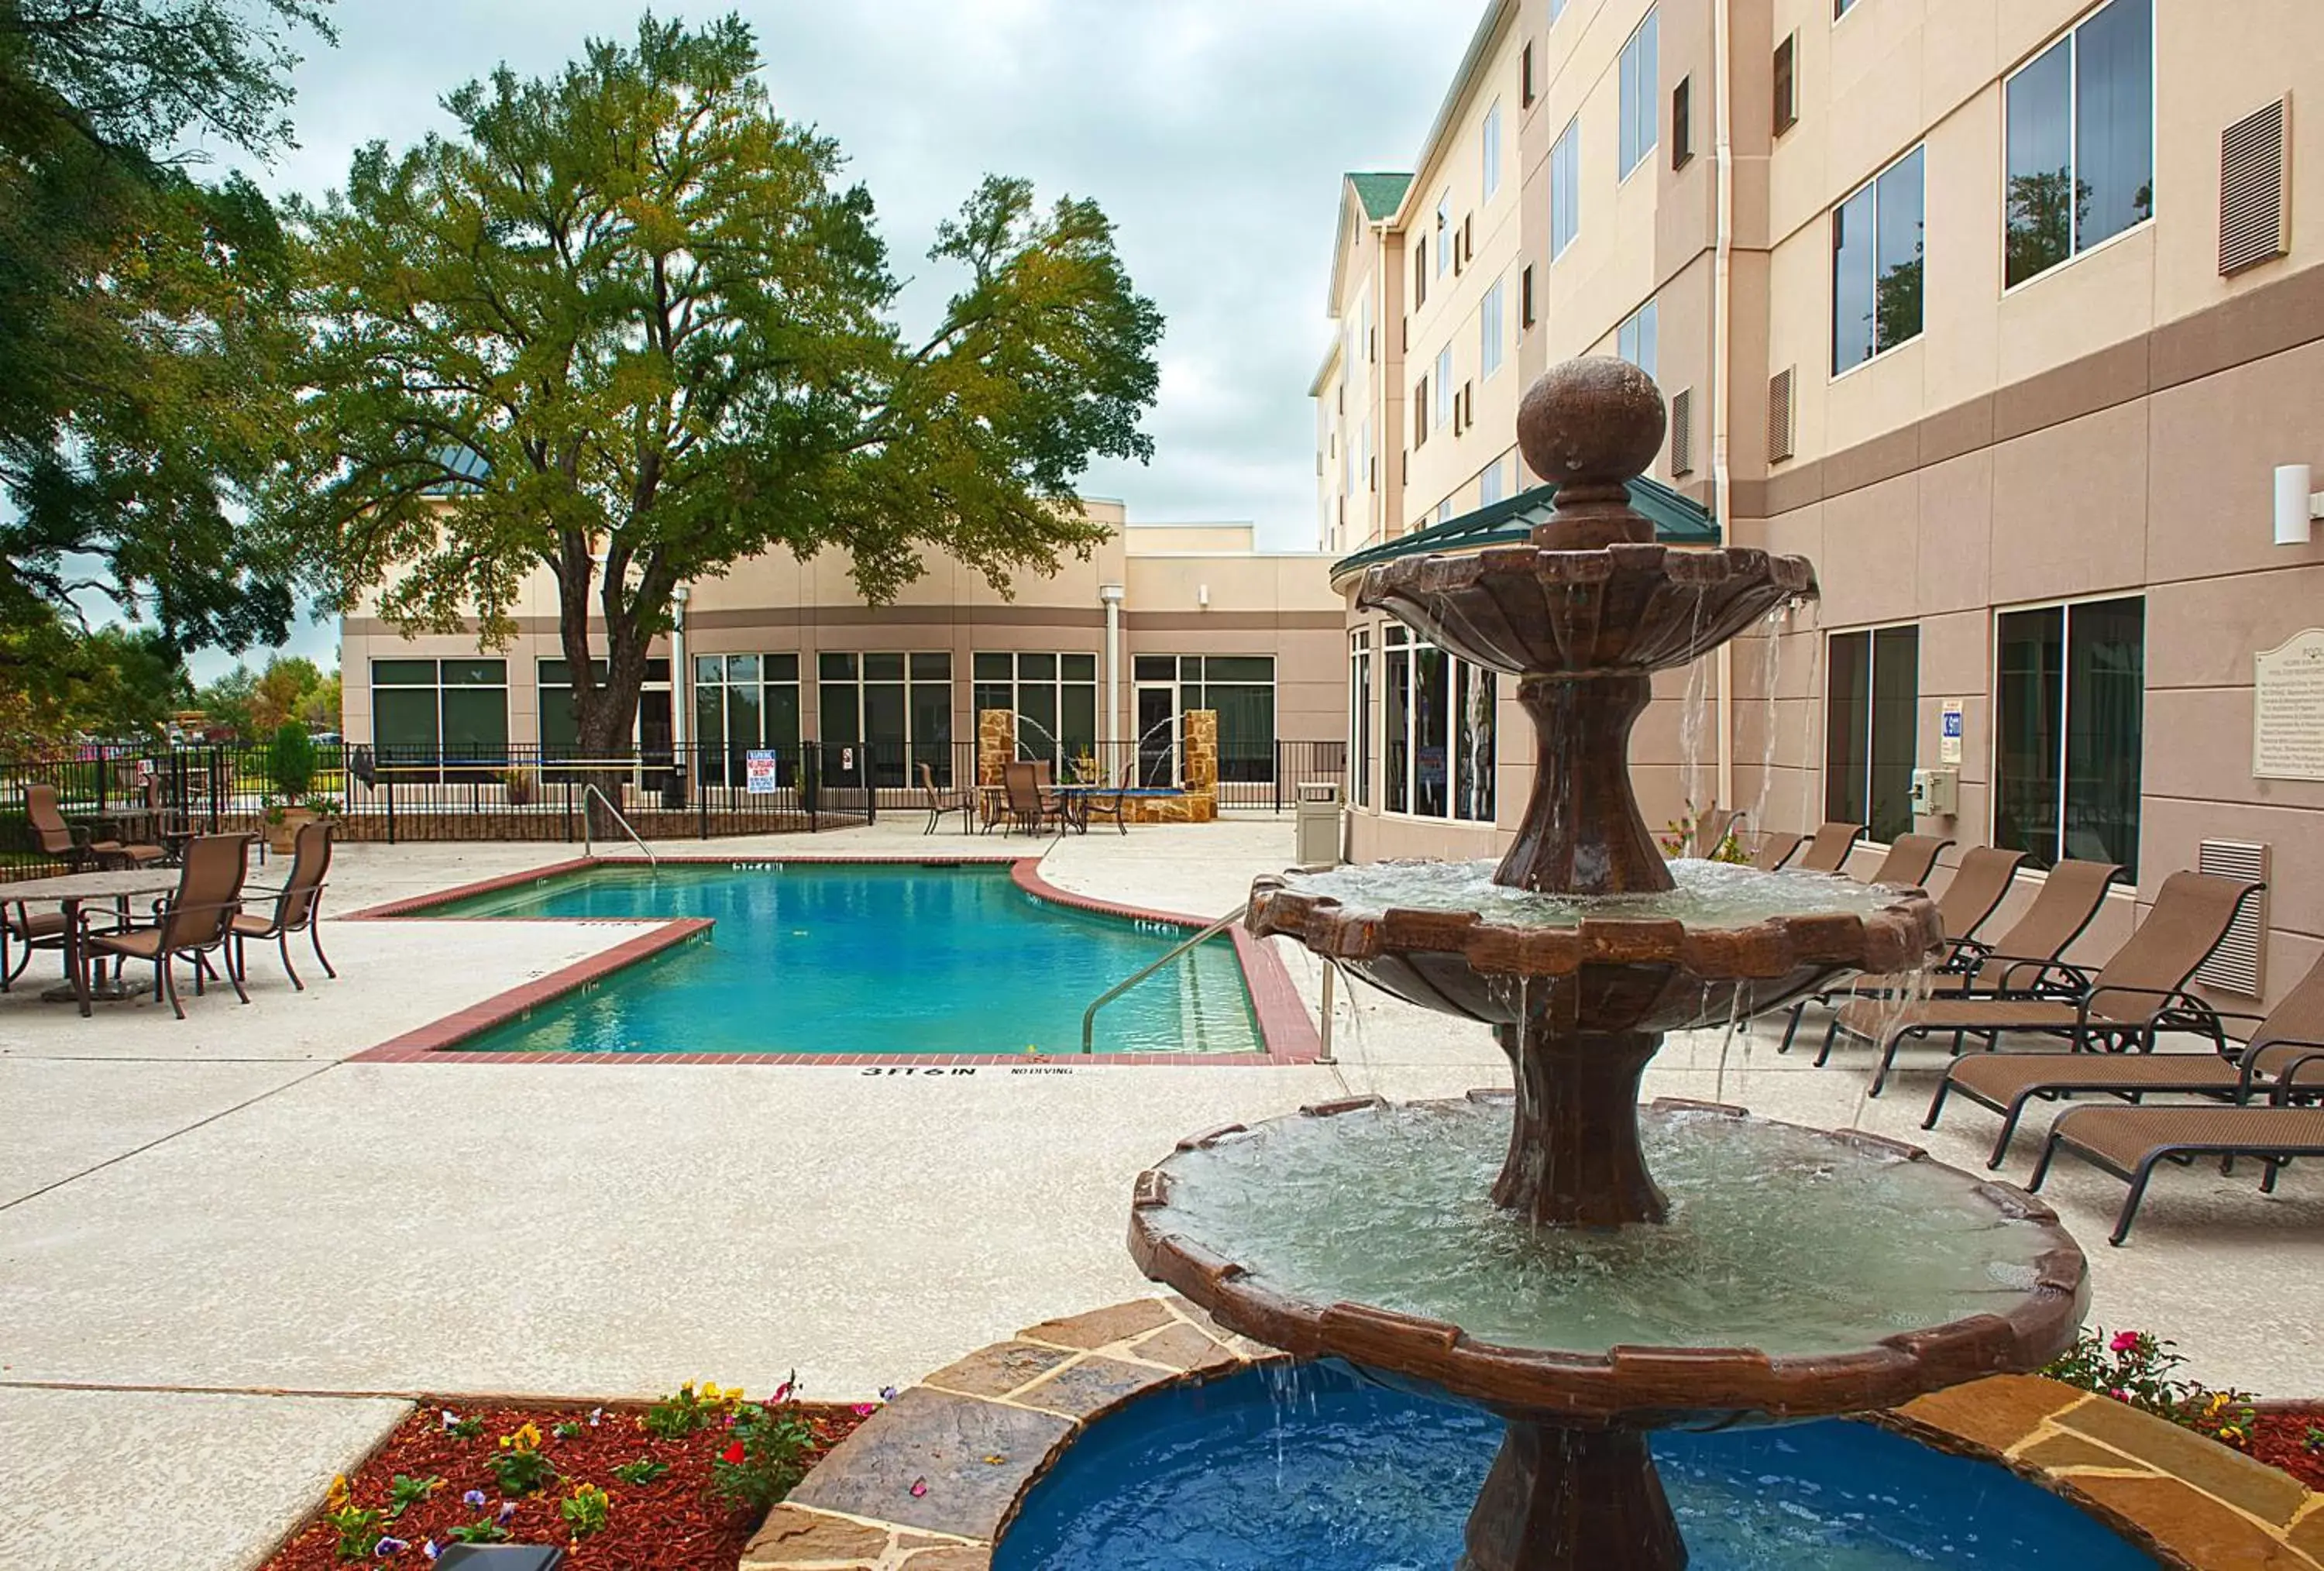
[224, 1249]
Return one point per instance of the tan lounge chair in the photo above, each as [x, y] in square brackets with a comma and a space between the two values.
[1114, 806]
[53, 836]
[1029, 807]
[1774, 849]
[26, 931]
[298, 906]
[2070, 900]
[941, 802]
[2128, 1141]
[1911, 859]
[1977, 884]
[1829, 846]
[2139, 992]
[2285, 1055]
[193, 923]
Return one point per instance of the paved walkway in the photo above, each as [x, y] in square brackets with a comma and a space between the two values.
[224, 1251]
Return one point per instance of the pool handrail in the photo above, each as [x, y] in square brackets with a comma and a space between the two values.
[1089, 1015]
[615, 813]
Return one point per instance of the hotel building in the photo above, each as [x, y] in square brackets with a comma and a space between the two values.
[1997, 310]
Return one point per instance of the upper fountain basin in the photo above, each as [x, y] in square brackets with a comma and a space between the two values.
[1621, 609]
[1727, 942]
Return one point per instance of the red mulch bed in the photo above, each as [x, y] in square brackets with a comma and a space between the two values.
[675, 1522]
[2280, 1439]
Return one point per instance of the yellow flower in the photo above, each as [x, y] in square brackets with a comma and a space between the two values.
[709, 1392]
[338, 1494]
[526, 1439]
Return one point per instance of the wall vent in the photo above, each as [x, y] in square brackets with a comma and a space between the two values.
[2254, 189]
[2239, 965]
[1681, 431]
[1779, 416]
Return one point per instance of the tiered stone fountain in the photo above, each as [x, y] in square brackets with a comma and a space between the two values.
[1788, 1273]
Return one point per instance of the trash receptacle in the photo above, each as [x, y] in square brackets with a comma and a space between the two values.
[1317, 836]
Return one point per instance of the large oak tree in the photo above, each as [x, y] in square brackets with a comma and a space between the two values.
[141, 311]
[629, 325]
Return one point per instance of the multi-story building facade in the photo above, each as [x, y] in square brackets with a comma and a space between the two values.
[1101, 657]
[1996, 310]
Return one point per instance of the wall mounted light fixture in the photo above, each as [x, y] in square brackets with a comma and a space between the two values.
[2296, 506]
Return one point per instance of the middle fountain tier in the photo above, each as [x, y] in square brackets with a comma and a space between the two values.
[1588, 1270]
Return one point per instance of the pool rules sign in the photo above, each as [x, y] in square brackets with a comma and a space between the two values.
[2288, 709]
[759, 772]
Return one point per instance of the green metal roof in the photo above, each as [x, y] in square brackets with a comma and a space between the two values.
[1379, 193]
[1509, 521]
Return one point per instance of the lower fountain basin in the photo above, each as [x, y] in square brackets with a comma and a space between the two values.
[1800, 1272]
[1313, 1468]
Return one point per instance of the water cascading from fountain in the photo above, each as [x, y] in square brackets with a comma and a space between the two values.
[1778, 1272]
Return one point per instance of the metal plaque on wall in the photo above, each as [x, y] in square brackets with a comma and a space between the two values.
[2288, 709]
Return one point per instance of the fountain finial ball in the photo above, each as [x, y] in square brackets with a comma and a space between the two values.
[1591, 424]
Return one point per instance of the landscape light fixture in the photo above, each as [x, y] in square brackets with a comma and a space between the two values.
[501, 1558]
[2297, 507]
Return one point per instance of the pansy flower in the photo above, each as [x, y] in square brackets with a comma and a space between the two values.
[387, 1547]
[474, 1500]
[2124, 1342]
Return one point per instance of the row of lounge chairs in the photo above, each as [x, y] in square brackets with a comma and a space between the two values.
[2258, 1098]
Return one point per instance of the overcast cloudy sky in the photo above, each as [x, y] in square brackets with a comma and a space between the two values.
[1213, 132]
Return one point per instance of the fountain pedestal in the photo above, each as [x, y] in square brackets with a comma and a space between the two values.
[1574, 1159]
[1559, 1498]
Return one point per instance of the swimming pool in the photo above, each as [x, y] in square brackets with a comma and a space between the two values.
[844, 958]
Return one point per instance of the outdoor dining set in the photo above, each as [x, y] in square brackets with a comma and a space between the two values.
[196, 903]
[1028, 798]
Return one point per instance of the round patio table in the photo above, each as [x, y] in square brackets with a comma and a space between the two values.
[71, 892]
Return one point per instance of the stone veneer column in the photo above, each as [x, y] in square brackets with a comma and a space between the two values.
[1200, 733]
[996, 743]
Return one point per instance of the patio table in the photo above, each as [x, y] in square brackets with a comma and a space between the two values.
[71, 892]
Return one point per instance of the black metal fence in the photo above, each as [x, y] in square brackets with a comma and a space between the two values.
[529, 793]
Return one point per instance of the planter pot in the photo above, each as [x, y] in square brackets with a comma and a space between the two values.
[283, 837]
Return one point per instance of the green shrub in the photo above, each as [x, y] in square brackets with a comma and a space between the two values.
[290, 763]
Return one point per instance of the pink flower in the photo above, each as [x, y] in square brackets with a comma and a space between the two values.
[920, 1487]
[2124, 1342]
[2120, 1394]
[865, 1410]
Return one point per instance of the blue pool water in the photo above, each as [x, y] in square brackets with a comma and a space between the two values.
[870, 958]
[1313, 1469]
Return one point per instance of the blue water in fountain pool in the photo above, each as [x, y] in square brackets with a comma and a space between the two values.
[1314, 1469]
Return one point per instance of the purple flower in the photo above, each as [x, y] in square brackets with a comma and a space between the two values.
[508, 1510]
[429, 1549]
[887, 1393]
[474, 1500]
[450, 1419]
[387, 1547]
[595, 1414]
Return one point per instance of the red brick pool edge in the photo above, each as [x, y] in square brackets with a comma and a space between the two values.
[1285, 1027]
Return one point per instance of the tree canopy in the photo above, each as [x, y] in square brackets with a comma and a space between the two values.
[140, 311]
[116, 684]
[629, 326]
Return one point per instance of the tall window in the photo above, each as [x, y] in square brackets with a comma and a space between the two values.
[1443, 234]
[1444, 510]
[1641, 89]
[2070, 715]
[447, 711]
[560, 724]
[1871, 716]
[1635, 340]
[1556, 9]
[1565, 188]
[1876, 264]
[1438, 725]
[1492, 331]
[896, 708]
[1419, 277]
[1445, 389]
[1489, 140]
[1360, 717]
[2081, 127]
[1490, 488]
[747, 701]
[1054, 696]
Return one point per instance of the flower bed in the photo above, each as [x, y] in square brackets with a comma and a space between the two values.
[2142, 1370]
[680, 1483]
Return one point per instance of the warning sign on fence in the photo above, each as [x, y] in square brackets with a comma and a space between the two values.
[759, 772]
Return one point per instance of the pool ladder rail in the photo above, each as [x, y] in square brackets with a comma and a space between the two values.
[1089, 1015]
[627, 827]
